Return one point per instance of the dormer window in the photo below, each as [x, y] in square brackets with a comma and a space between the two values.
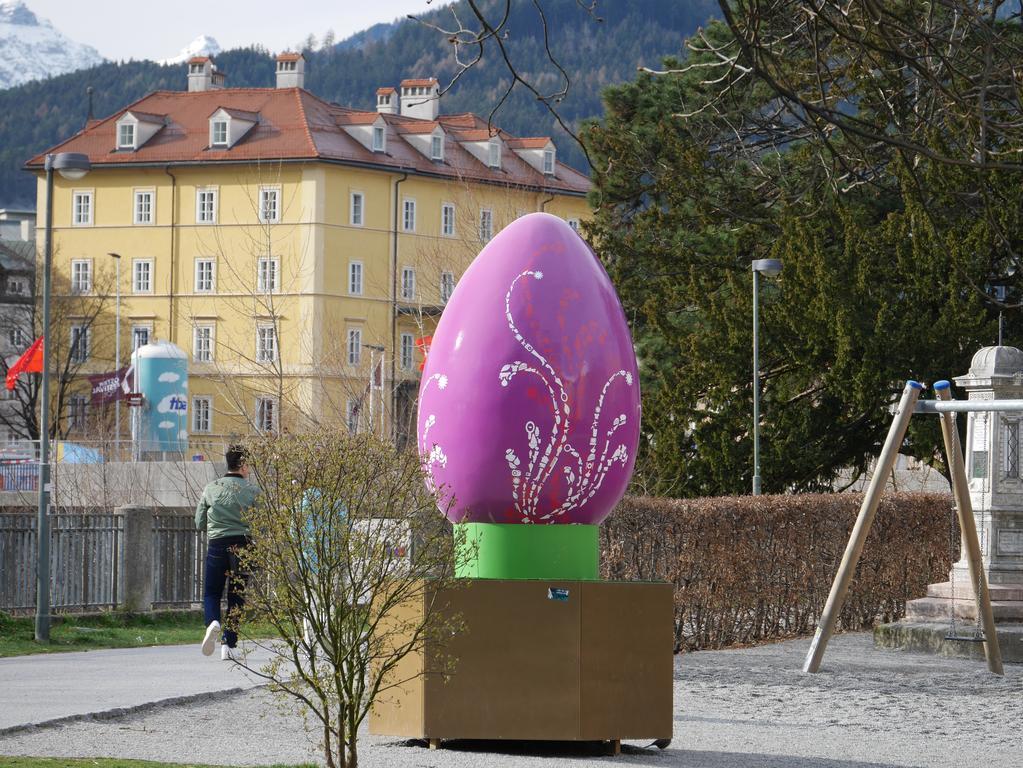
[126, 136]
[494, 154]
[548, 162]
[437, 148]
[378, 138]
[218, 133]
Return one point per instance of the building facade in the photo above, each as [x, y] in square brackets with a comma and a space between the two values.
[297, 250]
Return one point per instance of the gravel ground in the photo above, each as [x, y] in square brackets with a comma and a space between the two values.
[749, 708]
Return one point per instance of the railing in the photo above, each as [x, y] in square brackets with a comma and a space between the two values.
[178, 561]
[89, 551]
[20, 475]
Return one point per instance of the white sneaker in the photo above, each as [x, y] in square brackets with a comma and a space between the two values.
[212, 633]
[226, 653]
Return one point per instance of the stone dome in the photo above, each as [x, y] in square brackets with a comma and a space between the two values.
[996, 361]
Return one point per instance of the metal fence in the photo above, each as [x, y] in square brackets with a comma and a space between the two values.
[21, 475]
[179, 557]
[87, 565]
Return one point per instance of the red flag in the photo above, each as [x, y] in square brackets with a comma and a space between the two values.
[423, 344]
[30, 362]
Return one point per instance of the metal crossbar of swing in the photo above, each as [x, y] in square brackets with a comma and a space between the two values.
[967, 406]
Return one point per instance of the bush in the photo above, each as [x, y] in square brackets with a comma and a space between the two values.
[755, 568]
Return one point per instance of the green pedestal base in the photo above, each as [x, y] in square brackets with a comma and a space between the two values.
[496, 551]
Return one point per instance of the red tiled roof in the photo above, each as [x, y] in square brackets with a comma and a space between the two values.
[199, 59]
[146, 117]
[529, 142]
[241, 114]
[477, 134]
[295, 125]
[386, 89]
[419, 126]
[289, 56]
[421, 82]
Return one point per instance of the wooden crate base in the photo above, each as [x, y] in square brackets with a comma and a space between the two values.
[590, 664]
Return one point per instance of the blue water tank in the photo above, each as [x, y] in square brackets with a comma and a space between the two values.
[161, 375]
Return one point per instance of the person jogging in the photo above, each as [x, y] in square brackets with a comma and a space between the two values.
[221, 513]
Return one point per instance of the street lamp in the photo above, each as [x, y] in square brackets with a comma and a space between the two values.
[770, 268]
[117, 354]
[72, 166]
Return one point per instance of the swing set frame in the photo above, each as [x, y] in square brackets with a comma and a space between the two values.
[945, 407]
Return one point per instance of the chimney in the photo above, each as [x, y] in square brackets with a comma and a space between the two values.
[200, 73]
[420, 98]
[387, 101]
[290, 70]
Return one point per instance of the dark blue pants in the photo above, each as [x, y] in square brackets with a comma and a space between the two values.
[222, 569]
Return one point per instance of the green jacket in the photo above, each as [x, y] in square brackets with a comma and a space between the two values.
[222, 507]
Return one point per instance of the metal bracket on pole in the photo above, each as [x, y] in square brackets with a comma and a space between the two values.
[865, 518]
[967, 526]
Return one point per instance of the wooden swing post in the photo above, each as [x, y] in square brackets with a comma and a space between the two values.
[865, 518]
[968, 529]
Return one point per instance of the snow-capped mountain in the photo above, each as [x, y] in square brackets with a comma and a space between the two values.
[204, 45]
[32, 49]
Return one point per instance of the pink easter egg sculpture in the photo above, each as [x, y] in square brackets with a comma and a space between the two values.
[529, 406]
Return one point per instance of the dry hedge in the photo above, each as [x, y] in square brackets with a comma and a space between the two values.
[753, 568]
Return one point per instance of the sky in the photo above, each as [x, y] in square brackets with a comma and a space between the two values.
[158, 29]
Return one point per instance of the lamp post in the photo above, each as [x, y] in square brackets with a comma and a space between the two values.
[117, 353]
[771, 268]
[72, 166]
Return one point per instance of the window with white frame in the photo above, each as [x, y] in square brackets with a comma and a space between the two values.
[78, 412]
[356, 209]
[266, 414]
[447, 220]
[354, 349]
[205, 276]
[80, 343]
[206, 206]
[202, 414]
[17, 286]
[408, 215]
[378, 138]
[218, 133]
[494, 154]
[202, 343]
[548, 161]
[143, 206]
[81, 208]
[355, 278]
[408, 283]
[140, 336]
[16, 338]
[266, 344]
[81, 275]
[268, 278]
[437, 148]
[574, 224]
[408, 346]
[486, 225]
[447, 286]
[352, 415]
[126, 136]
[142, 275]
[269, 205]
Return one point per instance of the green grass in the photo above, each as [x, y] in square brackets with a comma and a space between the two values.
[108, 630]
[104, 762]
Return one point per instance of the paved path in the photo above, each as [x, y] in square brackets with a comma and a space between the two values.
[46, 687]
[747, 708]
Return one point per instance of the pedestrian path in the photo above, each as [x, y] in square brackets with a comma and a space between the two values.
[47, 687]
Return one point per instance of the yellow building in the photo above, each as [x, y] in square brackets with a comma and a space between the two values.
[290, 246]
